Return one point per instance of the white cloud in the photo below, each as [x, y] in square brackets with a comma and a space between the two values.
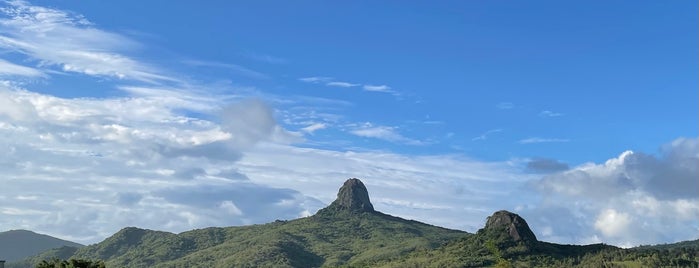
[231, 208]
[541, 140]
[485, 135]
[386, 133]
[468, 190]
[628, 200]
[8, 68]
[314, 127]
[377, 88]
[329, 81]
[230, 66]
[612, 223]
[341, 84]
[316, 79]
[137, 160]
[56, 38]
[547, 113]
[83, 168]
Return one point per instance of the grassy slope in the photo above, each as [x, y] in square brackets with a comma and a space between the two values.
[329, 238]
[473, 251]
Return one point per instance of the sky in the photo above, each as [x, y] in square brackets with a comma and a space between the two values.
[579, 116]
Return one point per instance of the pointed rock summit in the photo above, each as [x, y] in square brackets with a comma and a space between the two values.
[353, 196]
[515, 226]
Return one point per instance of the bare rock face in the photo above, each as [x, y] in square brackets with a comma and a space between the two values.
[515, 226]
[353, 196]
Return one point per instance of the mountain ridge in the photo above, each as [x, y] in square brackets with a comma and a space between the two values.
[350, 233]
[18, 244]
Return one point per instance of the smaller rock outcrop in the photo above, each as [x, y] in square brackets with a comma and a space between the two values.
[514, 225]
[353, 196]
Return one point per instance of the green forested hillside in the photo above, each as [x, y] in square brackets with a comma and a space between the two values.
[20, 244]
[64, 252]
[350, 233]
[503, 245]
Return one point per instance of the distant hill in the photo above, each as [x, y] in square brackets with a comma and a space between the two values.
[507, 241]
[350, 233]
[19, 244]
[64, 253]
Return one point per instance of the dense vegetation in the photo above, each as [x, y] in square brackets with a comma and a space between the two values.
[492, 247]
[349, 233]
[72, 263]
[329, 238]
[19, 244]
[62, 253]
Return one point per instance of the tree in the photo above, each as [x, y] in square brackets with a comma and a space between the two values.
[72, 263]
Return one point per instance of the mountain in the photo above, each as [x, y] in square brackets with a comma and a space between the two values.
[64, 253]
[347, 232]
[20, 244]
[351, 233]
[507, 241]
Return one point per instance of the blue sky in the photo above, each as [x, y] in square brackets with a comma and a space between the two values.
[289, 99]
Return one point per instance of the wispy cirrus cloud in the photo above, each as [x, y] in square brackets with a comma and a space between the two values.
[316, 79]
[10, 69]
[314, 127]
[541, 140]
[341, 84]
[378, 88]
[485, 135]
[331, 82]
[547, 113]
[57, 38]
[230, 66]
[386, 133]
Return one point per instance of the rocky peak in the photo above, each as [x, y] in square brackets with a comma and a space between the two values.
[514, 225]
[353, 196]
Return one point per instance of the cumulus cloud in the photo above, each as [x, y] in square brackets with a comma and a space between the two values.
[612, 223]
[635, 198]
[543, 165]
[251, 121]
[83, 168]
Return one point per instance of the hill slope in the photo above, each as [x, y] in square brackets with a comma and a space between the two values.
[507, 241]
[20, 244]
[348, 232]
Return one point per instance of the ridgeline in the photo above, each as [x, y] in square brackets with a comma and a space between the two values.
[350, 233]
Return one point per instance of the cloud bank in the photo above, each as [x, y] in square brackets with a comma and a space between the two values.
[635, 198]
